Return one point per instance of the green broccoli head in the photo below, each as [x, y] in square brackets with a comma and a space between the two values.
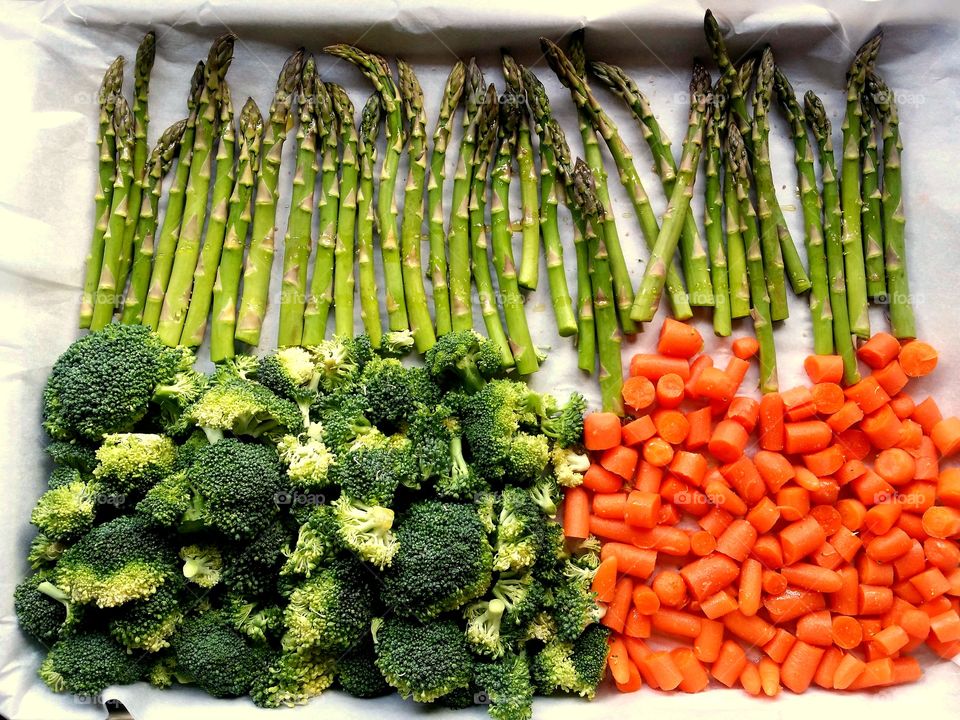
[394, 392]
[291, 373]
[523, 596]
[202, 564]
[45, 551]
[104, 382]
[506, 686]
[526, 457]
[121, 560]
[343, 418]
[260, 622]
[292, 678]
[317, 543]
[574, 602]
[518, 530]
[331, 610]
[463, 358]
[545, 492]
[366, 530]
[444, 560]
[166, 503]
[148, 624]
[86, 663]
[483, 632]
[358, 673]
[425, 661]
[307, 459]
[374, 466]
[216, 657]
[431, 430]
[72, 454]
[61, 475]
[173, 398]
[564, 425]
[396, 343]
[572, 666]
[338, 361]
[569, 465]
[251, 568]
[42, 609]
[132, 462]
[66, 512]
[243, 407]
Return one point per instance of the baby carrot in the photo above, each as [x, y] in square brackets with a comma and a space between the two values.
[715, 384]
[827, 669]
[729, 663]
[737, 540]
[719, 604]
[601, 480]
[946, 436]
[752, 629]
[828, 397]
[895, 465]
[619, 605]
[706, 646]
[807, 436]
[611, 530]
[744, 410]
[927, 414]
[653, 367]
[879, 350]
[702, 543]
[798, 403]
[745, 347]
[750, 679]
[801, 538]
[696, 367]
[690, 467]
[642, 509]
[846, 417]
[903, 405]
[634, 680]
[630, 560]
[709, 575]
[800, 665]
[816, 628]
[875, 674]
[620, 460]
[890, 640]
[891, 378]
[846, 632]
[771, 422]
[874, 599]
[868, 394]
[670, 390]
[605, 579]
[812, 577]
[664, 670]
[824, 368]
[637, 625]
[769, 672]
[658, 452]
[774, 468]
[645, 599]
[773, 582]
[930, 584]
[882, 427]
[636, 431]
[764, 515]
[576, 513]
[700, 424]
[638, 393]
[677, 339]
[609, 505]
[917, 358]
[695, 677]
[849, 669]
[672, 425]
[617, 660]
[601, 430]
[669, 587]
[778, 648]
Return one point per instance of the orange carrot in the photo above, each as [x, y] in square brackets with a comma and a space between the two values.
[903, 405]
[800, 665]
[891, 378]
[774, 468]
[695, 677]
[618, 607]
[801, 538]
[642, 509]
[890, 640]
[709, 575]
[737, 540]
[942, 522]
[745, 411]
[875, 673]
[700, 428]
[669, 587]
[737, 369]
[601, 480]
[771, 422]
[768, 551]
[916, 623]
[675, 622]
[752, 629]
[824, 368]
[906, 670]
[778, 648]
[620, 461]
[611, 530]
[696, 367]
[764, 515]
[638, 393]
[665, 670]
[946, 626]
[689, 466]
[874, 573]
[927, 414]
[658, 452]
[728, 441]
[719, 604]
[745, 347]
[702, 543]
[729, 663]
[706, 646]
[634, 681]
[653, 367]
[601, 430]
[948, 487]
[670, 389]
[880, 519]
[715, 384]
[630, 560]
[576, 513]
[609, 505]
[846, 417]
[879, 350]
[946, 436]
[942, 554]
[868, 394]
[716, 521]
[645, 599]
[648, 477]
[849, 669]
[918, 358]
[854, 443]
[769, 672]
[825, 462]
[773, 582]
[846, 632]
[882, 427]
[812, 577]
[874, 599]
[605, 579]
[889, 546]
[816, 628]
[668, 540]
[828, 397]
[827, 669]
[851, 470]
[637, 625]
[671, 425]
[750, 679]
[846, 543]
[930, 583]
[678, 339]
[806, 437]
[828, 517]
[793, 604]
[743, 475]
[636, 431]
[617, 660]
[798, 403]
[895, 465]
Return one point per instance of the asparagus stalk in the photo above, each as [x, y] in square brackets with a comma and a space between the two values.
[108, 287]
[227, 285]
[411, 227]
[584, 99]
[586, 325]
[850, 200]
[820, 305]
[550, 192]
[166, 243]
[842, 335]
[296, 324]
[458, 239]
[158, 165]
[376, 70]
[654, 276]
[366, 275]
[347, 215]
[177, 298]
[713, 214]
[692, 253]
[733, 80]
[521, 343]
[320, 296]
[107, 167]
[256, 273]
[767, 202]
[902, 322]
[486, 133]
[871, 214]
[736, 251]
[760, 300]
[146, 54]
[452, 92]
[529, 270]
[195, 325]
[608, 332]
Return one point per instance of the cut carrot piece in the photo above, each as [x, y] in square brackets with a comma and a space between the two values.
[891, 378]
[750, 679]
[879, 350]
[828, 397]
[948, 487]
[753, 629]
[868, 394]
[601, 480]
[764, 515]
[700, 428]
[689, 466]
[658, 452]
[812, 577]
[648, 477]
[618, 607]
[702, 543]
[946, 626]
[889, 546]
[696, 367]
[671, 425]
[827, 669]
[778, 648]
[611, 530]
[605, 579]
[654, 367]
[825, 462]
[769, 672]
[874, 599]
[876, 673]
[774, 468]
[801, 538]
[668, 540]
[800, 665]
[745, 347]
[670, 390]
[744, 410]
[601, 430]
[609, 505]
[675, 622]
[903, 405]
[637, 625]
[927, 414]
[645, 599]
[737, 540]
[709, 575]
[617, 660]
[768, 551]
[636, 431]
[737, 369]
[890, 640]
[751, 587]
[793, 604]
[719, 604]
[882, 427]
[771, 422]
[678, 339]
[620, 460]
[638, 393]
[695, 677]
[630, 560]
[846, 632]
[880, 519]
[816, 628]
[576, 513]
[773, 582]
[946, 436]
[846, 417]
[715, 384]
[828, 517]
[706, 646]
[634, 680]
[729, 663]
[665, 670]
[806, 437]
[669, 587]
[824, 368]
[918, 358]
[942, 522]
[798, 403]
[930, 584]
[642, 509]
[895, 465]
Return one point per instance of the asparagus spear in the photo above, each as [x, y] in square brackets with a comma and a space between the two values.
[654, 275]
[842, 336]
[108, 287]
[736, 251]
[367, 151]
[177, 298]
[452, 92]
[142, 68]
[159, 163]
[521, 343]
[529, 270]
[734, 81]
[347, 215]
[256, 273]
[820, 305]
[850, 200]
[602, 123]
[586, 326]
[550, 192]
[870, 218]
[458, 239]
[376, 70]
[760, 300]
[486, 134]
[692, 253]
[166, 243]
[902, 322]
[713, 213]
[411, 227]
[768, 206]
[320, 296]
[608, 332]
[107, 167]
[295, 322]
[227, 285]
[195, 325]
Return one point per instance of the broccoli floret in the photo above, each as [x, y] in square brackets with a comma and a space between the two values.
[462, 482]
[261, 623]
[574, 602]
[526, 457]
[216, 657]
[201, 564]
[317, 543]
[360, 349]
[243, 407]
[168, 501]
[88, 662]
[131, 462]
[331, 610]
[292, 678]
[337, 363]
[523, 596]
[551, 553]
[444, 560]
[306, 458]
[358, 673]
[463, 358]
[396, 343]
[366, 529]
[484, 619]
[251, 568]
[61, 475]
[44, 551]
[175, 397]
[518, 530]
[104, 381]
[507, 687]
[241, 366]
[73, 454]
[546, 494]
[576, 666]
[42, 609]
[431, 429]
[343, 419]
[292, 374]
[66, 512]
[425, 661]
[564, 425]
[569, 465]
[162, 671]
[122, 560]
[374, 466]
[394, 392]
[542, 627]
[235, 484]
[149, 624]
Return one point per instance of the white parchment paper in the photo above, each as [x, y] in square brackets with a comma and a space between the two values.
[52, 57]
